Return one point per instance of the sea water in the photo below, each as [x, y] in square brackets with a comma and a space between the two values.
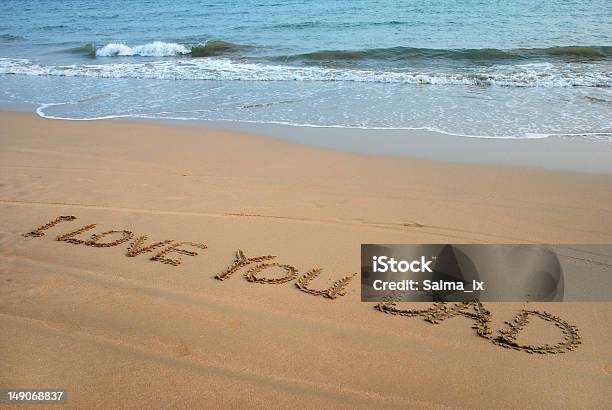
[509, 69]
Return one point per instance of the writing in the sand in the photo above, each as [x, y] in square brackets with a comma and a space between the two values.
[168, 251]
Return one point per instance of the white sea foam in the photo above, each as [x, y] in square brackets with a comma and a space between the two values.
[226, 69]
[172, 116]
[155, 49]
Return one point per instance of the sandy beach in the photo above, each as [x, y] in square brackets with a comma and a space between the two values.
[117, 331]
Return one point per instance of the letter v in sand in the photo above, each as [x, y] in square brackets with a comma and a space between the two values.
[137, 247]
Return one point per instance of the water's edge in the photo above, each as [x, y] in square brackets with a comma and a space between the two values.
[553, 153]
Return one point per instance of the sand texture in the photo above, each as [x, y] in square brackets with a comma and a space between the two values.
[156, 265]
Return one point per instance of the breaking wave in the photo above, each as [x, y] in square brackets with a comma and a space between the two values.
[485, 56]
[162, 49]
[86, 49]
[155, 49]
[528, 75]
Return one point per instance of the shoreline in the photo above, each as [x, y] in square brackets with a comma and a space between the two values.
[142, 330]
[554, 153]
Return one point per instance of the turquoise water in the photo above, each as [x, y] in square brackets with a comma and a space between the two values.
[472, 68]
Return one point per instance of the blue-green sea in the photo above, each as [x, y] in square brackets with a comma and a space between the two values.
[515, 69]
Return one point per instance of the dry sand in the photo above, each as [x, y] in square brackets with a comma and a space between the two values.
[129, 332]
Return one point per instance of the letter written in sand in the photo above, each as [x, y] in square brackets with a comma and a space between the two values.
[251, 274]
[161, 256]
[241, 261]
[137, 247]
[508, 335]
[332, 292]
[476, 311]
[70, 236]
[39, 231]
[95, 239]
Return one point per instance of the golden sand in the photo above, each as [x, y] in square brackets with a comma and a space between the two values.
[126, 309]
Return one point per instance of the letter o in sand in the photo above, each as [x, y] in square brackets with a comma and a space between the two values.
[251, 273]
[95, 239]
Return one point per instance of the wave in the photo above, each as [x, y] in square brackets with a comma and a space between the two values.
[217, 47]
[390, 55]
[296, 26]
[333, 25]
[10, 37]
[598, 100]
[162, 49]
[86, 49]
[154, 49]
[579, 51]
[475, 55]
[527, 75]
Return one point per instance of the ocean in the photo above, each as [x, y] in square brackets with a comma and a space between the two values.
[491, 69]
